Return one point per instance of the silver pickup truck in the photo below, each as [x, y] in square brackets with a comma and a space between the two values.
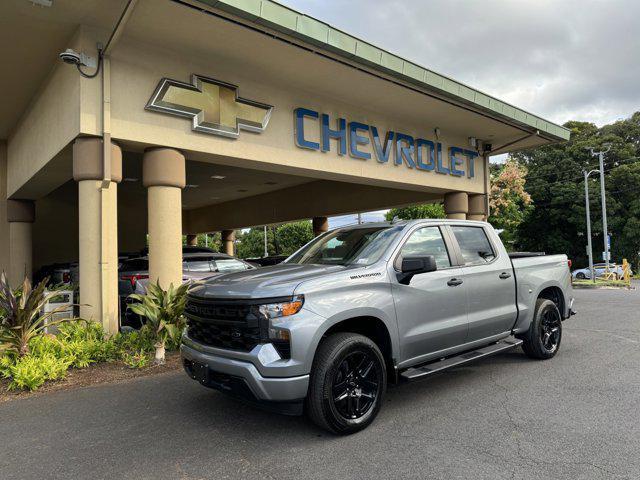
[363, 306]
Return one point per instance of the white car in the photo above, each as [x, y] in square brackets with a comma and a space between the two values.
[599, 270]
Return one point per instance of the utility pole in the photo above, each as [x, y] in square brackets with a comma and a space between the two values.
[605, 230]
[586, 204]
[266, 249]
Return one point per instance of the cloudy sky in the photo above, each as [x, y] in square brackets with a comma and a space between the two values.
[561, 59]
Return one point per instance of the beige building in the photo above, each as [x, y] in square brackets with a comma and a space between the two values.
[189, 116]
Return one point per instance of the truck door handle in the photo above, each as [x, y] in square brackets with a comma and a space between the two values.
[504, 275]
[454, 282]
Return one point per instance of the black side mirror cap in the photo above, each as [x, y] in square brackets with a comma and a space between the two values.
[415, 265]
[422, 264]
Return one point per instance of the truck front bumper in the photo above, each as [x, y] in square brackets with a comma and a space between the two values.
[242, 380]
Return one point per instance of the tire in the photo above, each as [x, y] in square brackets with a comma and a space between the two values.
[580, 276]
[347, 384]
[542, 341]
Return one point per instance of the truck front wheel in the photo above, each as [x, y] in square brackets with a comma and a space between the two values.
[542, 341]
[347, 384]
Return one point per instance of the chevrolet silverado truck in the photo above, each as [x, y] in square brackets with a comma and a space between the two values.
[364, 306]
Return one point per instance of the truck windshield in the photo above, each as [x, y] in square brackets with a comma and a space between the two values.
[348, 246]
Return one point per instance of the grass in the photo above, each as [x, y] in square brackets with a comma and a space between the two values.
[600, 283]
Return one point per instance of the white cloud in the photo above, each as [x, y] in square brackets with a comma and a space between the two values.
[564, 60]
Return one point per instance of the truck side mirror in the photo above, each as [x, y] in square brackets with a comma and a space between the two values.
[415, 265]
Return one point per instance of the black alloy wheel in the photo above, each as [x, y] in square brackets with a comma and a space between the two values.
[356, 384]
[347, 384]
[543, 338]
[550, 329]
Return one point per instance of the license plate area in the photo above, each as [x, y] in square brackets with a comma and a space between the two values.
[200, 372]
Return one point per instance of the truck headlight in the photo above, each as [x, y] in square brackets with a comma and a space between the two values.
[283, 309]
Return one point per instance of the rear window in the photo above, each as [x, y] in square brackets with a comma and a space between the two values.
[135, 264]
[474, 245]
[224, 265]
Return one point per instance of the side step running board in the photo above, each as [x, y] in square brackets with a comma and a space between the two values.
[427, 369]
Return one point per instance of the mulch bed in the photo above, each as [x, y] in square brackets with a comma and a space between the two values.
[96, 374]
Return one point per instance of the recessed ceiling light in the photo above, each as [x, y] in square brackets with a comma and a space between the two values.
[217, 177]
[270, 183]
[191, 186]
[214, 198]
[129, 179]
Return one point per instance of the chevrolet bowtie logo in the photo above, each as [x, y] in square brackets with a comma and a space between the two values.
[214, 106]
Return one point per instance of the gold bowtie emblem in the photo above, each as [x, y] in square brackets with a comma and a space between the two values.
[214, 106]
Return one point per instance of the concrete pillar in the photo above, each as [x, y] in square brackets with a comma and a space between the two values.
[20, 215]
[456, 205]
[228, 240]
[320, 225]
[477, 207]
[192, 240]
[163, 173]
[98, 231]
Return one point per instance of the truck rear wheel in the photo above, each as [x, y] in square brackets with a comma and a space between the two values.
[347, 385]
[542, 341]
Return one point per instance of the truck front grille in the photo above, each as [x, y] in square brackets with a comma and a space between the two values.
[232, 325]
[231, 337]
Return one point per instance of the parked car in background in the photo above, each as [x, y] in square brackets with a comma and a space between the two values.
[58, 273]
[599, 270]
[133, 276]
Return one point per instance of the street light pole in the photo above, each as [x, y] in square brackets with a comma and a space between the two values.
[586, 204]
[605, 230]
[266, 249]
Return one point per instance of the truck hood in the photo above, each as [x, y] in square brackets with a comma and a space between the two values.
[275, 281]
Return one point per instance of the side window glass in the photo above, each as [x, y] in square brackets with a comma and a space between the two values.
[204, 266]
[474, 245]
[427, 241]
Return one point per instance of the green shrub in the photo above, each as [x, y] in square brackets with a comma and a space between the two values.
[78, 344]
[136, 360]
[30, 372]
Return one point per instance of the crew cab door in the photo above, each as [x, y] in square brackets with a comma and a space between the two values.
[431, 308]
[491, 287]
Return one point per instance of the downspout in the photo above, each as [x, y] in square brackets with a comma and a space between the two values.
[106, 146]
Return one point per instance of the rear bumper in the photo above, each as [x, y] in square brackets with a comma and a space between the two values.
[242, 379]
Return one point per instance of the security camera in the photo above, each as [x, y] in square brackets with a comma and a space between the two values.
[71, 57]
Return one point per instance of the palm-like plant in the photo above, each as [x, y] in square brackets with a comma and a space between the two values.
[21, 314]
[163, 310]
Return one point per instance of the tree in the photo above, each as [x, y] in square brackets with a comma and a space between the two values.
[214, 240]
[557, 223]
[509, 203]
[291, 236]
[250, 243]
[426, 210]
[281, 240]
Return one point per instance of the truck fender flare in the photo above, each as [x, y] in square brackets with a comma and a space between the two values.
[343, 316]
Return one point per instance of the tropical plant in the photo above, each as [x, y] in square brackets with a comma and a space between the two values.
[138, 359]
[22, 314]
[163, 310]
[30, 372]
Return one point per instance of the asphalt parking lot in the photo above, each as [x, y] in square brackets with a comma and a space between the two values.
[576, 416]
